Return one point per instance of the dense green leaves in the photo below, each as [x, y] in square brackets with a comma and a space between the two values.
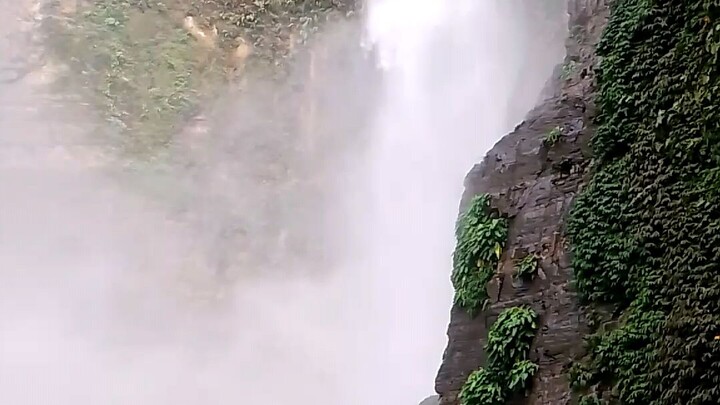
[481, 235]
[483, 387]
[510, 337]
[520, 374]
[508, 371]
[646, 230]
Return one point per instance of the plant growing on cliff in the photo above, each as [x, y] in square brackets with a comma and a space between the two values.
[527, 267]
[272, 27]
[483, 387]
[552, 137]
[480, 234]
[508, 371]
[646, 230]
[590, 400]
[148, 75]
[139, 67]
[510, 337]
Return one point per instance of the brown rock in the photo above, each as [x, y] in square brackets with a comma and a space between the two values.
[534, 185]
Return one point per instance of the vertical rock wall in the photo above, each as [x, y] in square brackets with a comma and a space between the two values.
[533, 184]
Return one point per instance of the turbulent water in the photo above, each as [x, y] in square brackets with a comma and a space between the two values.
[122, 287]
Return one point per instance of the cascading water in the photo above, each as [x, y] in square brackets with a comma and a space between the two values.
[451, 73]
[91, 308]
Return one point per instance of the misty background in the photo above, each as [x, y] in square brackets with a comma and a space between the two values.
[291, 246]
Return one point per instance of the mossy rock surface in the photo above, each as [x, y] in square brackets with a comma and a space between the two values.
[646, 231]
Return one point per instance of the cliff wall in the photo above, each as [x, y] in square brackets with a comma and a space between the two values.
[532, 181]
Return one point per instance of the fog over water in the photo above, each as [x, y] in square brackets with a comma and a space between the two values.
[119, 284]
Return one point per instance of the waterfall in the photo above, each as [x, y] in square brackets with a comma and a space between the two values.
[451, 68]
[336, 286]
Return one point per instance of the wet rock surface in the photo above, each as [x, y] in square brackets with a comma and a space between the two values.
[533, 183]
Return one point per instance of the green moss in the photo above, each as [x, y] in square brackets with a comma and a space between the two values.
[508, 371]
[646, 231]
[481, 235]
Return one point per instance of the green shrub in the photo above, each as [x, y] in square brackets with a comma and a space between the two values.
[520, 375]
[510, 337]
[508, 371]
[483, 387]
[481, 235]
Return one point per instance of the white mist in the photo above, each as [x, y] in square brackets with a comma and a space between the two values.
[105, 297]
[451, 68]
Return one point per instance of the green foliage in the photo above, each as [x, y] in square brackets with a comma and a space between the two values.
[142, 69]
[508, 371]
[148, 74]
[527, 267]
[510, 337]
[520, 374]
[552, 137]
[646, 230]
[272, 27]
[481, 235]
[590, 400]
[483, 387]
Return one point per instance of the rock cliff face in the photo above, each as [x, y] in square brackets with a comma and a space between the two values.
[533, 182]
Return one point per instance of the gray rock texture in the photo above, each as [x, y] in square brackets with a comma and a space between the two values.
[534, 184]
[433, 400]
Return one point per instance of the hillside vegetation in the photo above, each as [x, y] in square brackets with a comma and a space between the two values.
[646, 231]
[149, 65]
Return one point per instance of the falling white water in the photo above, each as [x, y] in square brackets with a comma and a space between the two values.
[105, 297]
[451, 68]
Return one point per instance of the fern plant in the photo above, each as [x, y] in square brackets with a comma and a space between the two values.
[483, 387]
[508, 371]
[480, 235]
[510, 336]
[520, 374]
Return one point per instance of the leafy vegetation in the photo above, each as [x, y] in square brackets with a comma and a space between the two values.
[481, 235]
[142, 70]
[148, 74]
[527, 267]
[552, 137]
[508, 371]
[646, 231]
[272, 27]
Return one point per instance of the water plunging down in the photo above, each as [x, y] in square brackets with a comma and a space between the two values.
[458, 76]
[105, 295]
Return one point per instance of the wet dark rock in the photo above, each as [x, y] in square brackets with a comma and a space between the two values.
[534, 184]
